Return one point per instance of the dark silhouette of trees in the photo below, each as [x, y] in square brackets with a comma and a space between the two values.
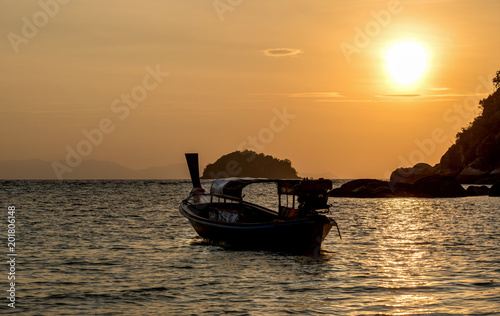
[496, 80]
[250, 164]
[482, 137]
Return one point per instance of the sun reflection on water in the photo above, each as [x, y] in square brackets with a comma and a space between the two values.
[404, 249]
[414, 256]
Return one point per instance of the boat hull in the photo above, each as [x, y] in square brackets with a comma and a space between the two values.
[300, 235]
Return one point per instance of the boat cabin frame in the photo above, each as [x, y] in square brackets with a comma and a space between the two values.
[232, 188]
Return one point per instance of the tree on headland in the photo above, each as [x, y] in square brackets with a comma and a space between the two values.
[496, 80]
[475, 155]
[474, 158]
[476, 152]
[485, 124]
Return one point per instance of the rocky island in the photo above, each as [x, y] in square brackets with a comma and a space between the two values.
[248, 163]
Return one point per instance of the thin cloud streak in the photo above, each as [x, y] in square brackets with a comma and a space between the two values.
[316, 95]
[282, 52]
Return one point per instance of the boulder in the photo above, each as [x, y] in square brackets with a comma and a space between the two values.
[363, 188]
[486, 147]
[496, 170]
[453, 161]
[432, 186]
[476, 170]
[411, 175]
[488, 179]
[493, 177]
[495, 189]
[439, 186]
[476, 190]
[406, 190]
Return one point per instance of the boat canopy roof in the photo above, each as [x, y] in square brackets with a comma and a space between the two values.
[234, 186]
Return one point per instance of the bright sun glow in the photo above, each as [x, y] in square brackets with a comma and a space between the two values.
[406, 62]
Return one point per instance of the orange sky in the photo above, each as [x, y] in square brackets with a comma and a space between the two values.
[275, 72]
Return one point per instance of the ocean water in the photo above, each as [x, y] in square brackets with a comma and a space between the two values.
[122, 248]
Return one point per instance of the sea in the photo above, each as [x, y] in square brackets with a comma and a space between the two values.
[102, 247]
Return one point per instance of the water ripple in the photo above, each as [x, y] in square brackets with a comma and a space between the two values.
[121, 247]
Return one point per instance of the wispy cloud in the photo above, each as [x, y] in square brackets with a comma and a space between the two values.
[282, 52]
[347, 100]
[426, 95]
[442, 92]
[439, 89]
[316, 95]
[458, 95]
[399, 95]
[432, 95]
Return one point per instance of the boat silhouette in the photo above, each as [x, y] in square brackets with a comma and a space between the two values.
[221, 216]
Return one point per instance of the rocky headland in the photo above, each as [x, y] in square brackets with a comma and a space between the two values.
[473, 159]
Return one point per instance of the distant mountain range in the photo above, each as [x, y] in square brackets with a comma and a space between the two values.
[94, 169]
[88, 169]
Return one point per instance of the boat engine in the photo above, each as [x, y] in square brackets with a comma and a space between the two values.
[312, 195]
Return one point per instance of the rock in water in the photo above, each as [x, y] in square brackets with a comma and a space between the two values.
[363, 188]
[477, 191]
[439, 186]
[411, 175]
[495, 189]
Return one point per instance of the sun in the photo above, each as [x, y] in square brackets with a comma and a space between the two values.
[406, 62]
